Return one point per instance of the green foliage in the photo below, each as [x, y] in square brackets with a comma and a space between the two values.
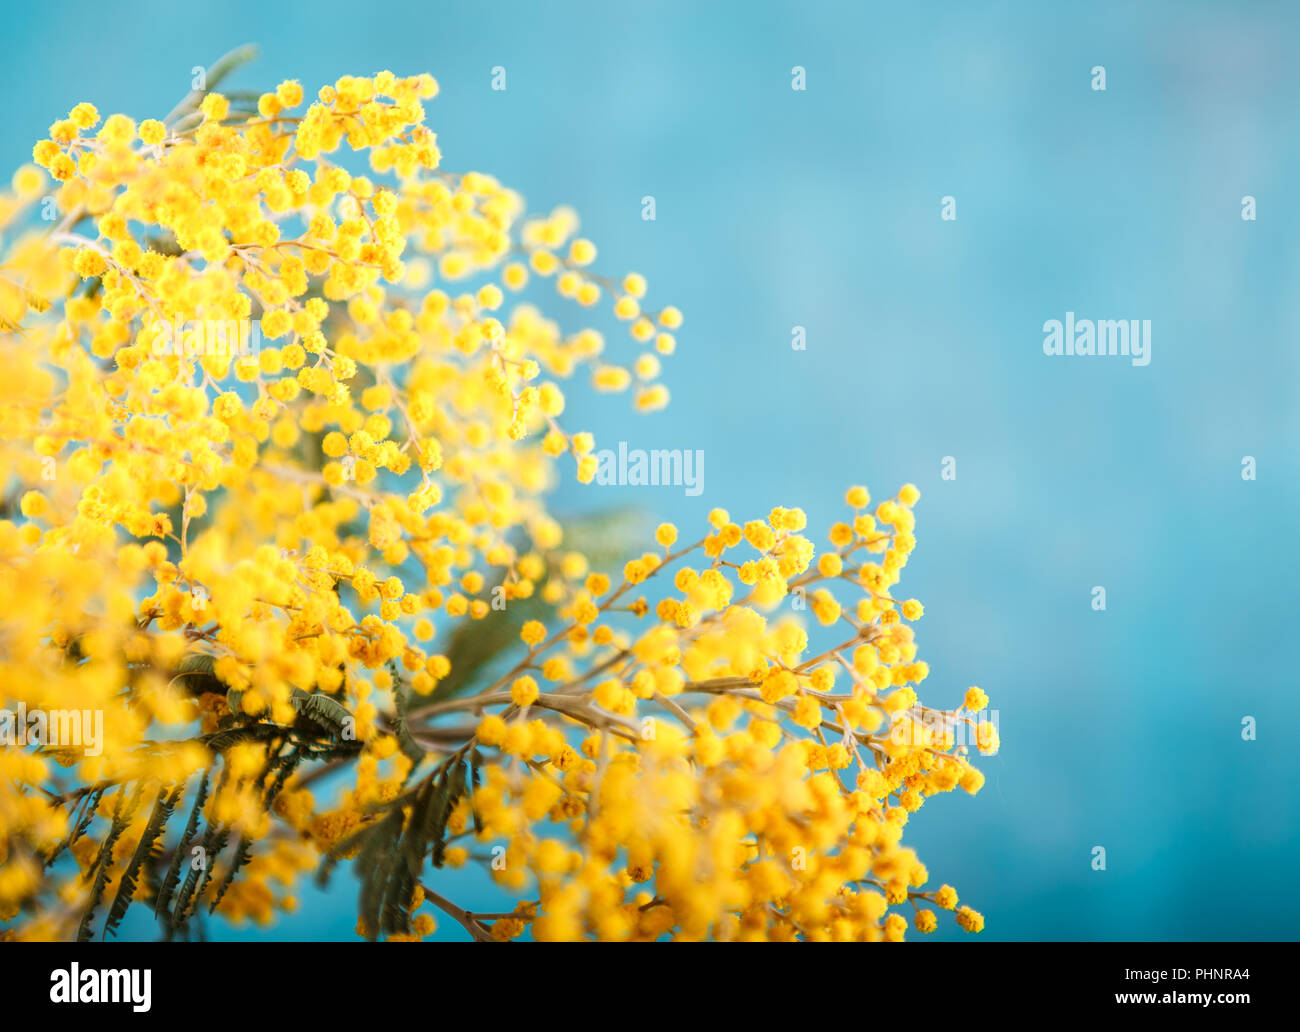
[145, 853]
[326, 713]
[104, 859]
[162, 904]
[195, 673]
[394, 848]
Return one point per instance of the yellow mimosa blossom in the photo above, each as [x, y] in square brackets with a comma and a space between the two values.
[279, 431]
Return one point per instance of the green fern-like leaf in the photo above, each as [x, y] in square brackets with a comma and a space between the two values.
[145, 851]
[243, 854]
[220, 741]
[195, 674]
[323, 711]
[104, 859]
[448, 797]
[162, 903]
[375, 862]
[401, 726]
[214, 841]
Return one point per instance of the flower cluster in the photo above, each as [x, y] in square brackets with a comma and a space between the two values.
[325, 562]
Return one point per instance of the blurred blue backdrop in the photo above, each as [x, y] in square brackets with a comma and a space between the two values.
[821, 208]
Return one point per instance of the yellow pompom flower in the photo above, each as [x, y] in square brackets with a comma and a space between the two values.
[533, 632]
[670, 317]
[970, 920]
[666, 534]
[84, 116]
[524, 691]
[491, 730]
[33, 505]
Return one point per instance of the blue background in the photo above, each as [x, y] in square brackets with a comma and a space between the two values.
[821, 208]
